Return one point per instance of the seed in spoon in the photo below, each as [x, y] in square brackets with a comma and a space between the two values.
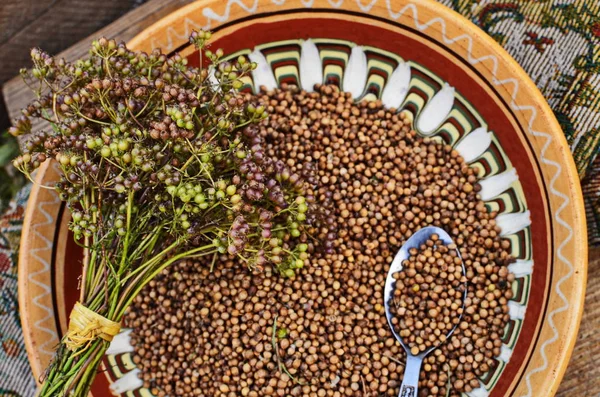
[428, 295]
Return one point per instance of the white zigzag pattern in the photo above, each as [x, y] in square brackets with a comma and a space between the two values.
[211, 15]
[48, 347]
[189, 25]
[366, 8]
[560, 255]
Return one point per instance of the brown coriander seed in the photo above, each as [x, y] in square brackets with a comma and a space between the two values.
[367, 155]
[420, 322]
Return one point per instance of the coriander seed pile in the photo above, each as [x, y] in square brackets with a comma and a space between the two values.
[324, 332]
[428, 295]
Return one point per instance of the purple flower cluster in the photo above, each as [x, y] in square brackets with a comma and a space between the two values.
[129, 126]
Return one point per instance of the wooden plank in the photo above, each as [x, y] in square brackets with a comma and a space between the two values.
[583, 373]
[15, 14]
[50, 24]
[17, 95]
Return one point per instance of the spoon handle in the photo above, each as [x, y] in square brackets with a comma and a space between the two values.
[410, 384]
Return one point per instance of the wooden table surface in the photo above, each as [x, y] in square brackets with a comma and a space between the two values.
[583, 374]
[582, 378]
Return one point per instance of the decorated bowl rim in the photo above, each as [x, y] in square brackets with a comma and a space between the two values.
[579, 238]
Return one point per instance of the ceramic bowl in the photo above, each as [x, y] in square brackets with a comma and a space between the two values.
[459, 86]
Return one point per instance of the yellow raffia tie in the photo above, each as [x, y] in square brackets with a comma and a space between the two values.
[86, 325]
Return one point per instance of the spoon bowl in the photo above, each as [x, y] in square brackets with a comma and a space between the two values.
[410, 383]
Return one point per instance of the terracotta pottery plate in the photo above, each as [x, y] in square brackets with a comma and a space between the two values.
[459, 86]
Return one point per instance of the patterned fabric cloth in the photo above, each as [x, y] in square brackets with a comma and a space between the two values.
[15, 374]
[556, 41]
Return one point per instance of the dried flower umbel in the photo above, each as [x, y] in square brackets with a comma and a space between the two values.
[160, 162]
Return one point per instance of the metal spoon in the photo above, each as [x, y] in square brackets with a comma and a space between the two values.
[410, 384]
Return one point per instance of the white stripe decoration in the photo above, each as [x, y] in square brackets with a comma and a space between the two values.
[513, 222]
[505, 353]
[355, 75]
[212, 78]
[129, 381]
[516, 311]
[121, 343]
[478, 392]
[436, 111]
[262, 75]
[521, 268]
[494, 185]
[397, 86]
[311, 67]
[474, 144]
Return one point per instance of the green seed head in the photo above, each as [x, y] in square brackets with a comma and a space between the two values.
[65, 159]
[231, 189]
[240, 154]
[123, 145]
[199, 198]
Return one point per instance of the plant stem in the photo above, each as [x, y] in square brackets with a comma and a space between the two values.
[69, 370]
[136, 286]
[84, 385]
